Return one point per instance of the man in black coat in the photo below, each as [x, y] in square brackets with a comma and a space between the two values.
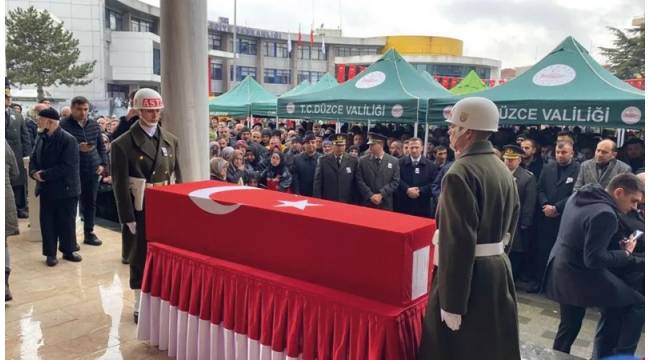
[532, 161]
[579, 271]
[92, 161]
[54, 164]
[126, 121]
[304, 167]
[414, 194]
[527, 190]
[19, 139]
[377, 175]
[335, 177]
[554, 188]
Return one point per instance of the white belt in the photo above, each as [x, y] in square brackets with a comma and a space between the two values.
[481, 250]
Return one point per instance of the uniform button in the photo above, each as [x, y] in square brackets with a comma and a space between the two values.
[141, 157]
[153, 173]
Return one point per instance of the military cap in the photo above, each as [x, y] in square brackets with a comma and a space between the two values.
[340, 139]
[512, 152]
[375, 138]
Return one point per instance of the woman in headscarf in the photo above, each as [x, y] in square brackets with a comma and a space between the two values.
[218, 169]
[238, 172]
[276, 176]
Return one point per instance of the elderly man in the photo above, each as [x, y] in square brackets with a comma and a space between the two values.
[602, 168]
[19, 139]
[472, 310]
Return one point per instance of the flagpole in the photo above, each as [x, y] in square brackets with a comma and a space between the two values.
[234, 45]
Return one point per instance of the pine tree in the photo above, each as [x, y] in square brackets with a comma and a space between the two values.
[627, 57]
[41, 52]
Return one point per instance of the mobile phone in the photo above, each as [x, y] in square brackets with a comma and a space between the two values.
[637, 235]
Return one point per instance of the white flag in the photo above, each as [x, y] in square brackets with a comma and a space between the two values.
[322, 47]
[289, 42]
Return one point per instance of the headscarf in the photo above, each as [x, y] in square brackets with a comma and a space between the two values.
[217, 165]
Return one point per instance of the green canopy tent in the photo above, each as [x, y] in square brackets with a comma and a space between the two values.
[327, 81]
[237, 101]
[430, 78]
[471, 83]
[268, 107]
[390, 90]
[565, 88]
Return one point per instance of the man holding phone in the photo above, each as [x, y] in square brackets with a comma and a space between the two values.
[581, 268]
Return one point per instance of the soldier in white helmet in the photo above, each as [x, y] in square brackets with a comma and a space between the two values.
[472, 310]
[144, 156]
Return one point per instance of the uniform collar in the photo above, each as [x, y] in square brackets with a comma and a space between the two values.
[479, 147]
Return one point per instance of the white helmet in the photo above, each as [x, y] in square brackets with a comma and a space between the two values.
[147, 99]
[475, 113]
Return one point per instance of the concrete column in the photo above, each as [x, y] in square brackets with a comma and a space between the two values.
[294, 64]
[183, 50]
[260, 61]
[331, 54]
[227, 64]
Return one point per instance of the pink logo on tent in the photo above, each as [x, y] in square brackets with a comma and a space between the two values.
[371, 80]
[397, 111]
[291, 108]
[554, 75]
[631, 115]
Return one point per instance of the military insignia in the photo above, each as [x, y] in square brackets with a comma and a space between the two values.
[417, 171]
[141, 157]
[164, 150]
[390, 166]
[13, 117]
[569, 180]
[463, 116]
[348, 170]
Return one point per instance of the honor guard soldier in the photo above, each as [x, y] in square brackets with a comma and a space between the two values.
[336, 174]
[144, 156]
[472, 310]
[527, 190]
[378, 175]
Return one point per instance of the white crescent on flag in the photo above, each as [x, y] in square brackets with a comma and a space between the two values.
[201, 198]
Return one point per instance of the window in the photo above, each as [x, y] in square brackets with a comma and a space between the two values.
[214, 41]
[273, 49]
[313, 53]
[311, 76]
[277, 76]
[247, 46]
[113, 20]
[216, 71]
[139, 25]
[346, 51]
[156, 61]
[243, 71]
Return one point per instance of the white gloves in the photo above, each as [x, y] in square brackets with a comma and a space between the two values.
[453, 320]
[131, 226]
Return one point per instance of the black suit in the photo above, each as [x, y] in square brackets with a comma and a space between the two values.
[57, 157]
[522, 239]
[421, 176]
[554, 188]
[579, 275]
[304, 169]
[334, 181]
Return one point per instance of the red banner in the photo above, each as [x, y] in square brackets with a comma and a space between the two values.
[445, 82]
[340, 73]
[352, 71]
[362, 68]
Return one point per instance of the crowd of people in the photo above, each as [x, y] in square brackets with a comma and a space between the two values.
[385, 167]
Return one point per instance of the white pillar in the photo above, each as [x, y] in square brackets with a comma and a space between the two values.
[184, 78]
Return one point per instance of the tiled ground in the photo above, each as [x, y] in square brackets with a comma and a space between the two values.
[84, 310]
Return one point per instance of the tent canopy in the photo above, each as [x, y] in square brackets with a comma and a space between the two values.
[267, 108]
[327, 81]
[390, 90]
[566, 88]
[237, 102]
[471, 83]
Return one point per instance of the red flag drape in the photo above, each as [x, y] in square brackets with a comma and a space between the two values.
[340, 73]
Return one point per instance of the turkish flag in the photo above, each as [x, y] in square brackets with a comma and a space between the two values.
[311, 37]
[352, 72]
[371, 253]
[340, 73]
[445, 82]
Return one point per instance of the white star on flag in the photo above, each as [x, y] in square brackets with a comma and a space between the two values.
[302, 204]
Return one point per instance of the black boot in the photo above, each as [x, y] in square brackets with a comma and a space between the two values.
[8, 296]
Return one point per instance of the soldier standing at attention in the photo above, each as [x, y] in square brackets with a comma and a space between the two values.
[336, 174]
[378, 175]
[472, 310]
[145, 156]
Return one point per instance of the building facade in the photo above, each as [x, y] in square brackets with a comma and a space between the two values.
[122, 36]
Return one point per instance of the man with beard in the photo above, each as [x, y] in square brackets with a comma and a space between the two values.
[602, 168]
[472, 310]
[531, 160]
[145, 156]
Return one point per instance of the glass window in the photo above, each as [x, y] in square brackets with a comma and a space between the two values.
[139, 25]
[277, 76]
[214, 41]
[113, 20]
[311, 76]
[156, 61]
[243, 71]
[281, 50]
[247, 46]
[216, 71]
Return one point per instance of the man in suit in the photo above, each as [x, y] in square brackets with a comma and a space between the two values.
[144, 156]
[19, 139]
[336, 174]
[579, 271]
[378, 175]
[304, 167]
[472, 310]
[554, 188]
[527, 190]
[414, 194]
[603, 167]
[531, 160]
[54, 164]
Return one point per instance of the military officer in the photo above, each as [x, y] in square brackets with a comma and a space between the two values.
[146, 155]
[336, 174]
[20, 140]
[377, 175]
[527, 190]
[472, 310]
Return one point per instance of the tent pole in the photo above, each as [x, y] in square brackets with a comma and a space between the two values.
[415, 131]
[368, 131]
[426, 137]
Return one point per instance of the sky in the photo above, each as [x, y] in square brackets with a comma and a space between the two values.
[517, 32]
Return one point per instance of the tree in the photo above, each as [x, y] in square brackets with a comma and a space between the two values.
[41, 52]
[627, 57]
